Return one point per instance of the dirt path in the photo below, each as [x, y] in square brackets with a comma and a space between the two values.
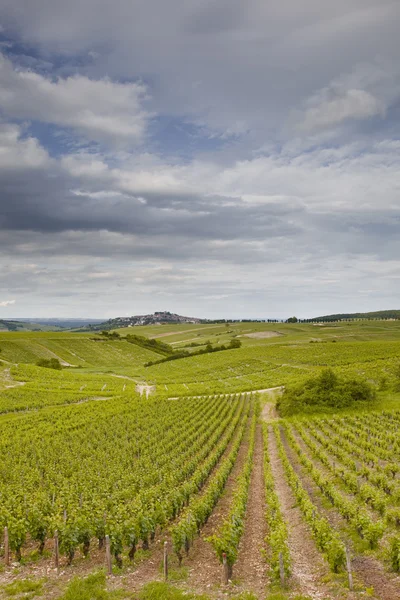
[367, 569]
[308, 566]
[8, 381]
[251, 567]
[204, 567]
[268, 412]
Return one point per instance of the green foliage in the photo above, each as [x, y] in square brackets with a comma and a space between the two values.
[394, 554]
[24, 588]
[185, 354]
[75, 349]
[226, 540]
[124, 468]
[165, 591]
[235, 344]
[351, 509]
[150, 344]
[49, 363]
[17, 529]
[277, 537]
[200, 507]
[92, 587]
[379, 314]
[69, 540]
[326, 391]
[325, 536]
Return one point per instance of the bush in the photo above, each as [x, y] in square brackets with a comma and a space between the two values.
[325, 391]
[49, 363]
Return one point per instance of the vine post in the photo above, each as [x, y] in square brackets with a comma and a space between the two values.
[6, 547]
[281, 569]
[165, 561]
[56, 552]
[108, 556]
[225, 572]
[348, 565]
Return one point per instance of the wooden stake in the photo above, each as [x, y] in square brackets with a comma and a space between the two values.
[225, 574]
[348, 563]
[165, 561]
[56, 551]
[108, 556]
[6, 547]
[281, 569]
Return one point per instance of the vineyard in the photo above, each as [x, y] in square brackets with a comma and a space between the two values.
[208, 493]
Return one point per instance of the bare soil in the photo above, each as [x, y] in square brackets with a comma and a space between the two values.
[251, 567]
[367, 569]
[308, 565]
[7, 381]
[268, 412]
[205, 570]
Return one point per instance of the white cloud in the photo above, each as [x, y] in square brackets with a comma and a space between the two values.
[332, 111]
[7, 303]
[17, 152]
[100, 110]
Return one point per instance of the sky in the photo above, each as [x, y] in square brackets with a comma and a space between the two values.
[214, 158]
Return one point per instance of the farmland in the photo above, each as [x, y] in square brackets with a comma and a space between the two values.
[281, 507]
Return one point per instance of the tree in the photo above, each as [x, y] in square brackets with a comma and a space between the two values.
[235, 343]
[325, 391]
[49, 363]
[292, 320]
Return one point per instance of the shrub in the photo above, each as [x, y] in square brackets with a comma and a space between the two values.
[325, 391]
[49, 363]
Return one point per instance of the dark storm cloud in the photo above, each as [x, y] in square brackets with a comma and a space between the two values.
[33, 201]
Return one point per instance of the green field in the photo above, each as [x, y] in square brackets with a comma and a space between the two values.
[365, 348]
[87, 454]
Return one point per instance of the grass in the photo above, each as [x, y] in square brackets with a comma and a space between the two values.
[178, 574]
[284, 596]
[92, 587]
[365, 348]
[164, 591]
[24, 588]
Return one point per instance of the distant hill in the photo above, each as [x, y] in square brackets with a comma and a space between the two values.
[13, 325]
[54, 324]
[157, 318]
[59, 322]
[379, 314]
